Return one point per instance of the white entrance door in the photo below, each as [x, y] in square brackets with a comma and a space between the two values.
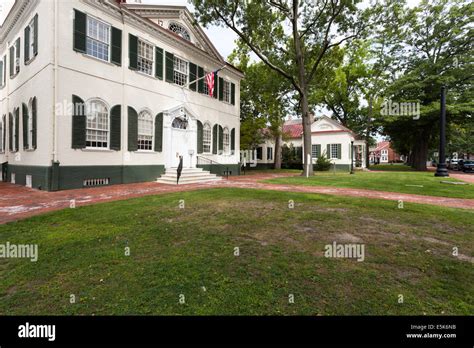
[181, 145]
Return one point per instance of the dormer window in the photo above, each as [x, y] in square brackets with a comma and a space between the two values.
[178, 29]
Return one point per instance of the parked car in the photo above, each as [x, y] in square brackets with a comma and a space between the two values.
[466, 165]
[453, 164]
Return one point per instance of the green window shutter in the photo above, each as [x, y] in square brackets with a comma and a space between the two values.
[200, 147]
[17, 129]
[221, 88]
[169, 66]
[10, 131]
[132, 129]
[34, 110]
[1, 72]
[159, 132]
[216, 85]
[339, 151]
[232, 95]
[24, 116]
[214, 139]
[159, 63]
[78, 123]
[192, 76]
[27, 44]
[318, 150]
[80, 24]
[328, 153]
[115, 127]
[116, 57]
[35, 44]
[12, 61]
[133, 52]
[232, 139]
[201, 79]
[221, 138]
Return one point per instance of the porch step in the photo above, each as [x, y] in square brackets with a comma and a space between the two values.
[188, 176]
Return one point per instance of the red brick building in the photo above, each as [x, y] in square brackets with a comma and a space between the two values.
[383, 153]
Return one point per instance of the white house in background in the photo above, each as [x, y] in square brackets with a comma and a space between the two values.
[97, 92]
[329, 138]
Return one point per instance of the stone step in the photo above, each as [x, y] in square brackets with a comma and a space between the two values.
[188, 176]
[194, 176]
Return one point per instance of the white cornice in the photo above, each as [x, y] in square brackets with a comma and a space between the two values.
[18, 12]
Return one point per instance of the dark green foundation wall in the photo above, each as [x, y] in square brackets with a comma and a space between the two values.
[40, 175]
[219, 170]
[71, 177]
[55, 177]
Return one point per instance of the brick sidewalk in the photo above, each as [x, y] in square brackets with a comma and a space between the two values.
[18, 202]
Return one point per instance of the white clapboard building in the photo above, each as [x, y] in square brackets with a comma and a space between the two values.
[101, 92]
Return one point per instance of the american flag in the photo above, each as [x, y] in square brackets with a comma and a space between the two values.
[210, 83]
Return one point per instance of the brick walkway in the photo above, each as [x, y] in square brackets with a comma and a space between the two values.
[17, 202]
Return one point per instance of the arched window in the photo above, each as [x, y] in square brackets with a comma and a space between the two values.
[179, 123]
[178, 29]
[226, 141]
[145, 131]
[97, 129]
[206, 138]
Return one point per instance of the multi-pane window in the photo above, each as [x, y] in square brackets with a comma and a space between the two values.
[31, 47]
[206, 138]
[14, 133]
[145, 131]
[226, 91]
[98, 39]
[30, 125]
[2, 62]
[334, 151]
[315, 151]
[145, 57]
[97, 130]
[180, 71]
[269, 153]
[226, 140]
[206, 87]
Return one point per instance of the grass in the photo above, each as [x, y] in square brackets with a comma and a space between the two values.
[396, 167]
[190, 251]
[420, 183]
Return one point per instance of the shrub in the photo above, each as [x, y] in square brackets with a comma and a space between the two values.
[323, 164]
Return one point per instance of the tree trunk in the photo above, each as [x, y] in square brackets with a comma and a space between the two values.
[277, 153]
[367, 134]
[420, 151]
[307, 143]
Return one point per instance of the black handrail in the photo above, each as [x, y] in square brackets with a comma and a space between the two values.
[207, 161]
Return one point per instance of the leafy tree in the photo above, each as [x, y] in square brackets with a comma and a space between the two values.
[264, 99]
[437, 50]
[290, 36]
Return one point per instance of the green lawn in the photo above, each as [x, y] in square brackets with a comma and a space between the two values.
[421, 183]
[396, 167]
[190, 251]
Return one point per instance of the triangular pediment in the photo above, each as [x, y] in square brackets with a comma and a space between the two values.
[179, 21]
[325, 123]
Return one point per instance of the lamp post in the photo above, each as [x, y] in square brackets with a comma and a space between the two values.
[352, 157]
[441, 167]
